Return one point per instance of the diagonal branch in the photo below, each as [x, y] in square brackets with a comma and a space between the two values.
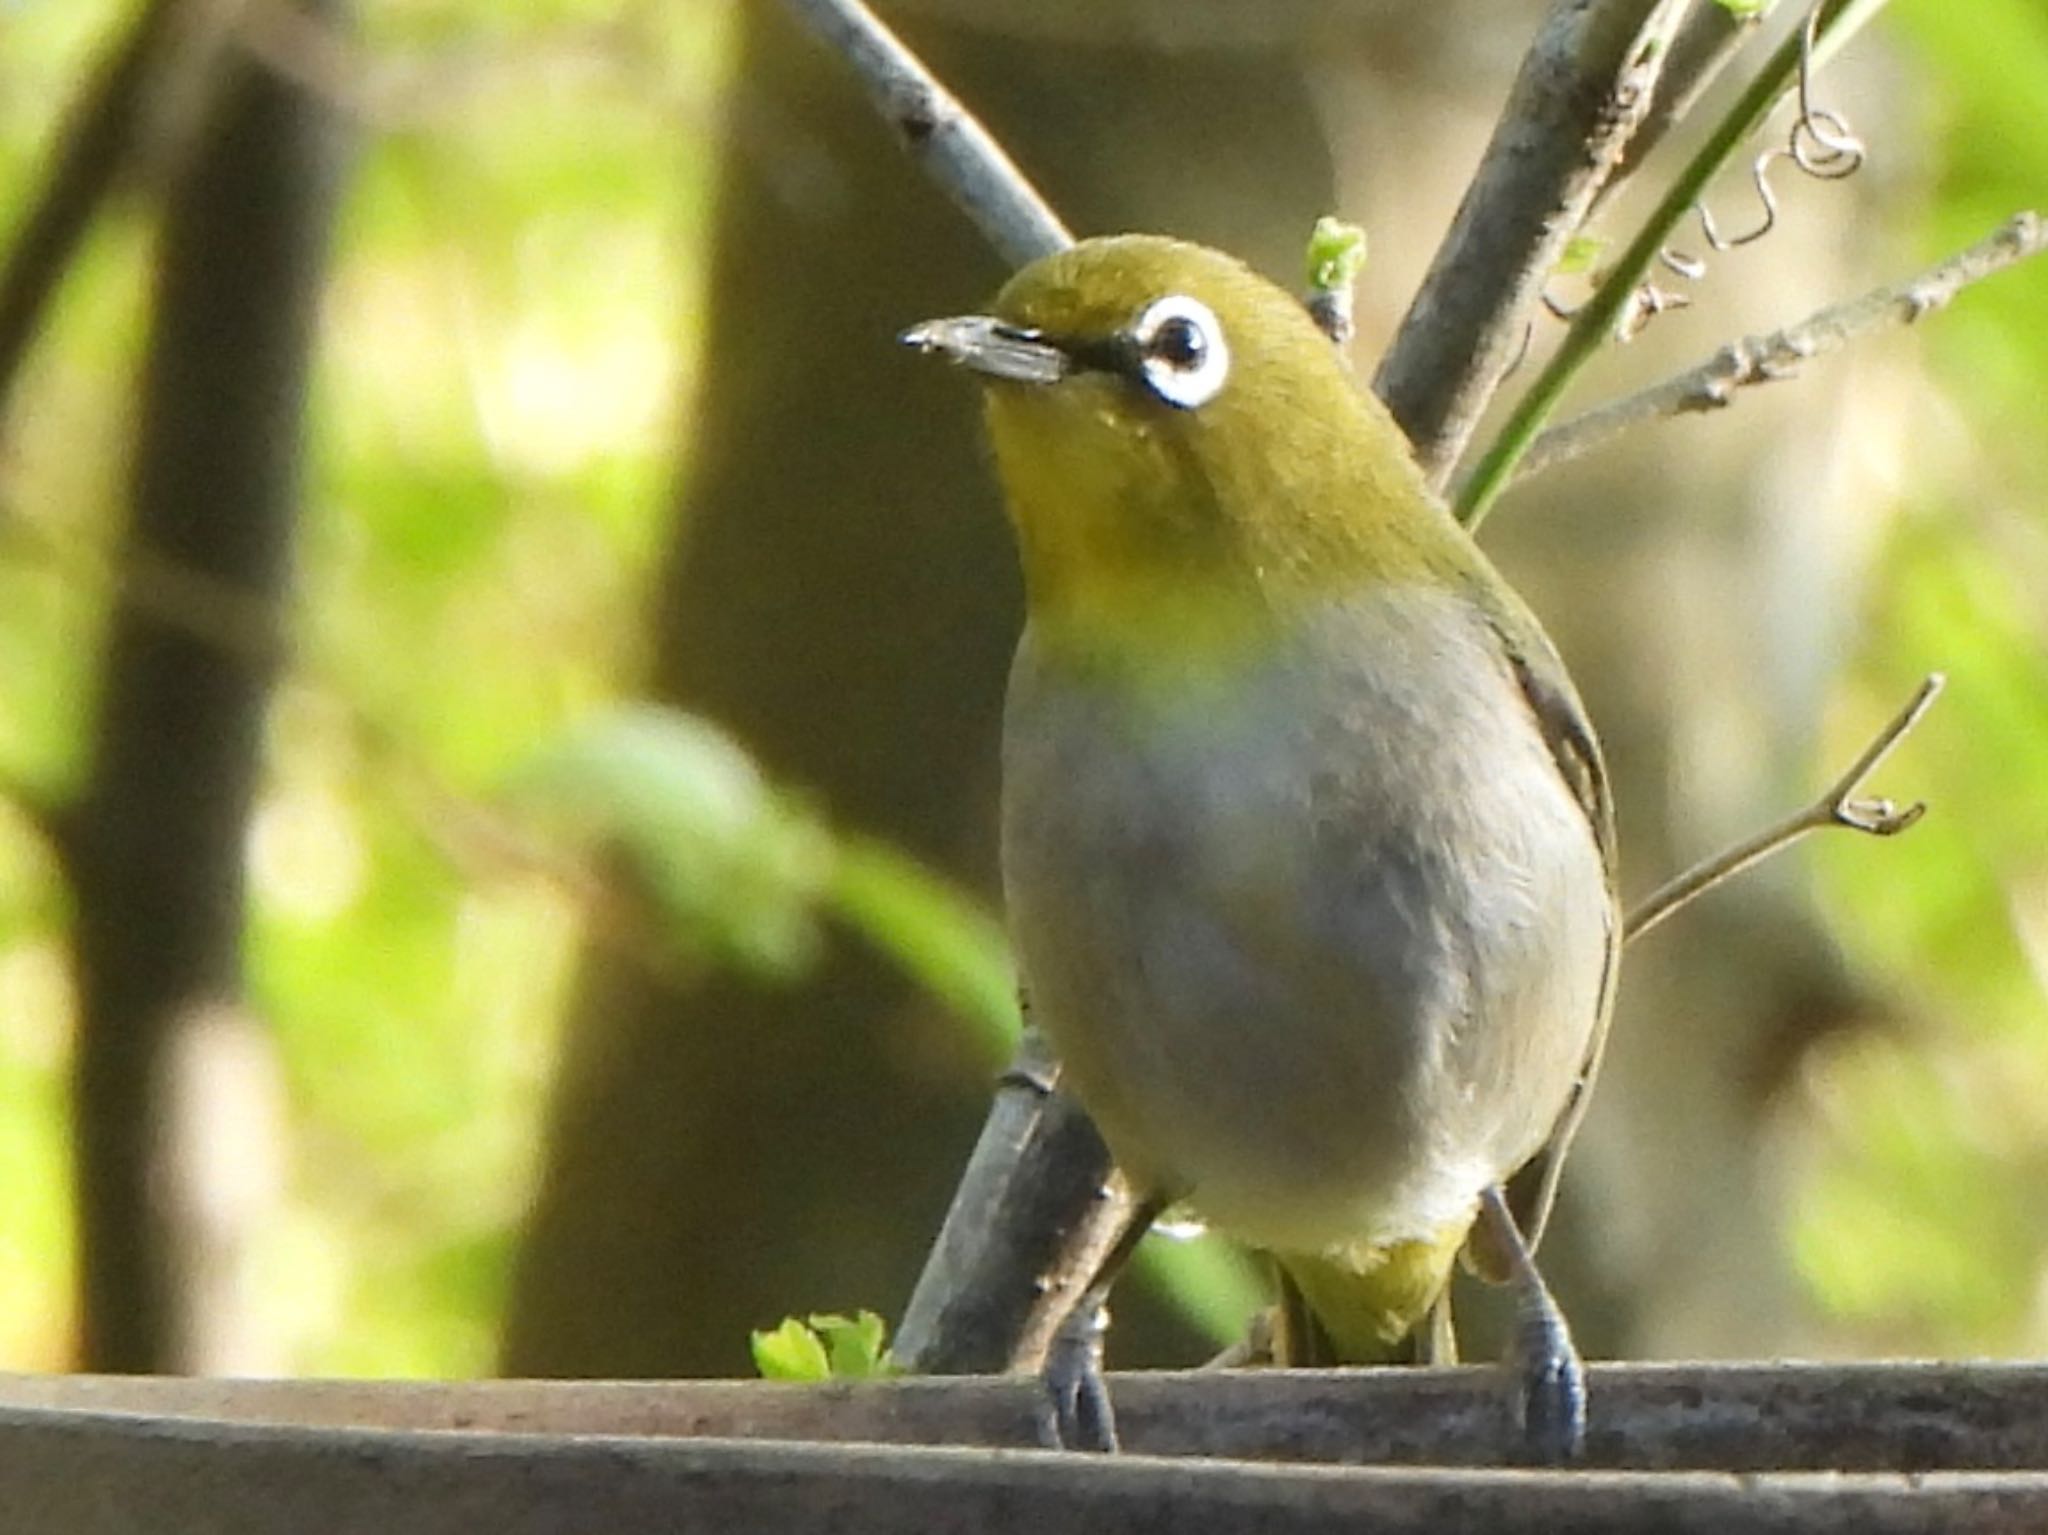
[953, 149]
[1765, 359]
[1585, 87]
[1038, 1208]
[86, 167]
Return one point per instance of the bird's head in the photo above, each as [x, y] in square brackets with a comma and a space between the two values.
[1178, 444]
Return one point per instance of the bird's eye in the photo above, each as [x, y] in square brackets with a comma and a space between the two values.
[1182, 357]
[1179, 343]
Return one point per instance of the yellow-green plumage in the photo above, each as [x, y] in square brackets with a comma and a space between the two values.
[1305, 844]
[1366, 1300]
[1215, 512]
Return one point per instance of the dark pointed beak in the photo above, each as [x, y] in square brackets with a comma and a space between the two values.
[992, 347]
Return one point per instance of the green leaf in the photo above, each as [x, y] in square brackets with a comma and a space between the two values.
[744, 870]
[1336, 255]
[791, 1352]
[738, 866]
[827, 1347]
[854, 1345]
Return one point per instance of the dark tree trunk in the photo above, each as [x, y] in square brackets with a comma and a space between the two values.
[156, 843]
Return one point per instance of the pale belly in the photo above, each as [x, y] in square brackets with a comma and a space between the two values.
[1322, 1006]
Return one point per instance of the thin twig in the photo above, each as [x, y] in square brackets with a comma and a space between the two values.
[1584, 88]
[1838, 807]
[1597, 317]
[944, 138]
[1039, 1202]
[1766, 359]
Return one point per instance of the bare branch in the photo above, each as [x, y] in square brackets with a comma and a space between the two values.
[1584, 88]
[1838, 807]
[1036, 1210]
[157, 833]
[1830, 23]
[1767, 359]
[941, 135]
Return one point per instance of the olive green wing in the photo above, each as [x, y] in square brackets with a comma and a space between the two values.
[1561, 718]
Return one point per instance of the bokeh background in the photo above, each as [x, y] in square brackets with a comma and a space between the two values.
[496, 857]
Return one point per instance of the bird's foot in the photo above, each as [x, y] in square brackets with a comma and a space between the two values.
[1077, 1414]
[1549, 1382]
[1548, 1379]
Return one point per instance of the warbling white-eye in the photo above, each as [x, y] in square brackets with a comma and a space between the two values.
[1306, 841]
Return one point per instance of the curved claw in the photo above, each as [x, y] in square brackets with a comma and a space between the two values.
[1077, 1414]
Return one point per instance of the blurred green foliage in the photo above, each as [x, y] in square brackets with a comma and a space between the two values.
[506, 351]
[504, 355]
[1922, 1222]
[742, 872]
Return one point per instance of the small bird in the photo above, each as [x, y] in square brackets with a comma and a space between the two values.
[1306, 841]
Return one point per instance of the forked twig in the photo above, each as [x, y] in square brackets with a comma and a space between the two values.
[1840, 806]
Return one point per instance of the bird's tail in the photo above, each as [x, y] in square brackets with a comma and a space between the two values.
[1367, 1306]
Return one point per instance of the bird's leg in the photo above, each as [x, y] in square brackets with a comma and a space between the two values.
[1078, 1415]
[1550, 1382]
[1436, 1341]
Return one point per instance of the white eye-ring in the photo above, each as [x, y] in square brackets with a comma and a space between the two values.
[1182, 355]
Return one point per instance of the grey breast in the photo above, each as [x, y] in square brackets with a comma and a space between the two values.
[1320, 949]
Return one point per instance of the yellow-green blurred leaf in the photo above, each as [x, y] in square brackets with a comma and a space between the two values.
[791, 1352]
